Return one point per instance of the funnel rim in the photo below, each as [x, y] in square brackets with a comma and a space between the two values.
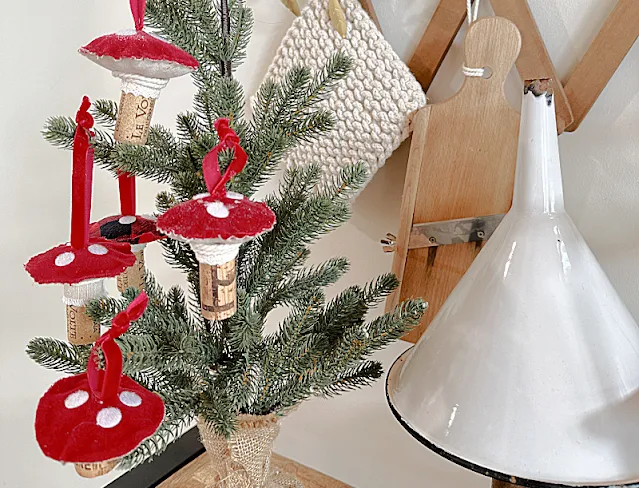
[392, 374]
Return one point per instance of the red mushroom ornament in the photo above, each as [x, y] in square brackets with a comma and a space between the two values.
[145, 63]
[215, 224]
[135, 230]
[81, 265]
[95, 418]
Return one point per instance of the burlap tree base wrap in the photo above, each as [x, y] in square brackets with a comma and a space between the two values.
[244, 459]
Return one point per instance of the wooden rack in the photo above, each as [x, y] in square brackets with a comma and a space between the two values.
[573, 102]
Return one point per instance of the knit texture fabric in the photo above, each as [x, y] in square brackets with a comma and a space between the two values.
[373, 106]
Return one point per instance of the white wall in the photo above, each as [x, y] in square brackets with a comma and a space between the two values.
[42, 75]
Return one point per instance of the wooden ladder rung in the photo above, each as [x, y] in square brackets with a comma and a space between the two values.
[603, 58]
[436, 41]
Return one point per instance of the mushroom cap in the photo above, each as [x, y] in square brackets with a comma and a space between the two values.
[231, 218]
[133, 229]
[73, 426]
[65, 265]
[139, 53]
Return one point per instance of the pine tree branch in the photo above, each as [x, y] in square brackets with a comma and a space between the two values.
[245, 327]
[169, 431]
[352, 378]
[191, 25]
[105, 112]
[303, 284]
[337, 68]
[285, 115]
[233, 49]
[58, 356]
[59, 131]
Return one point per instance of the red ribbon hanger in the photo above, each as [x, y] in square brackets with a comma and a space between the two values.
[214, 180]
[104, 383]
[82, 178]
[126, 181]
[138, 8]
[126, 184]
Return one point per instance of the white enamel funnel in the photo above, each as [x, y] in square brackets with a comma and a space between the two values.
[530, 371]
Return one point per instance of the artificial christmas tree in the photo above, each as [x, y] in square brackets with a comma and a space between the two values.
[217, 370]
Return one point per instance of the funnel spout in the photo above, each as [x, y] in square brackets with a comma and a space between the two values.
[538, 185]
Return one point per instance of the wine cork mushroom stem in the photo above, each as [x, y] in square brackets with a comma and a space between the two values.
[218, 289]
[137, 101]
[133, 276]
[81, 329]
[93, 470]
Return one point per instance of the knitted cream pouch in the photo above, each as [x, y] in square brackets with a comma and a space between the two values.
[373, 106]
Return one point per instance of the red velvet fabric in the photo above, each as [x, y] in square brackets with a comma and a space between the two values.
[82, 177]
[126, 185]
[105, 383]
[142, 231]
[215, 182]
[85, 265]
[191, 220]
[72, 435]
[140, 45]
[138, 8]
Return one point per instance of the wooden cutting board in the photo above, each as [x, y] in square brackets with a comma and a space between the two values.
[461, 164]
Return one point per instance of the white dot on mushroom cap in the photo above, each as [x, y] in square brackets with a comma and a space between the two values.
[109, 417]
[217, 210]
[98, 249]
[234, 196]
[64, 259]
[127, 219]
[201, 195]
[75, 399]
[130, 399]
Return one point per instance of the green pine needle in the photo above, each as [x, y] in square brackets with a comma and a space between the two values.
[58, 356]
